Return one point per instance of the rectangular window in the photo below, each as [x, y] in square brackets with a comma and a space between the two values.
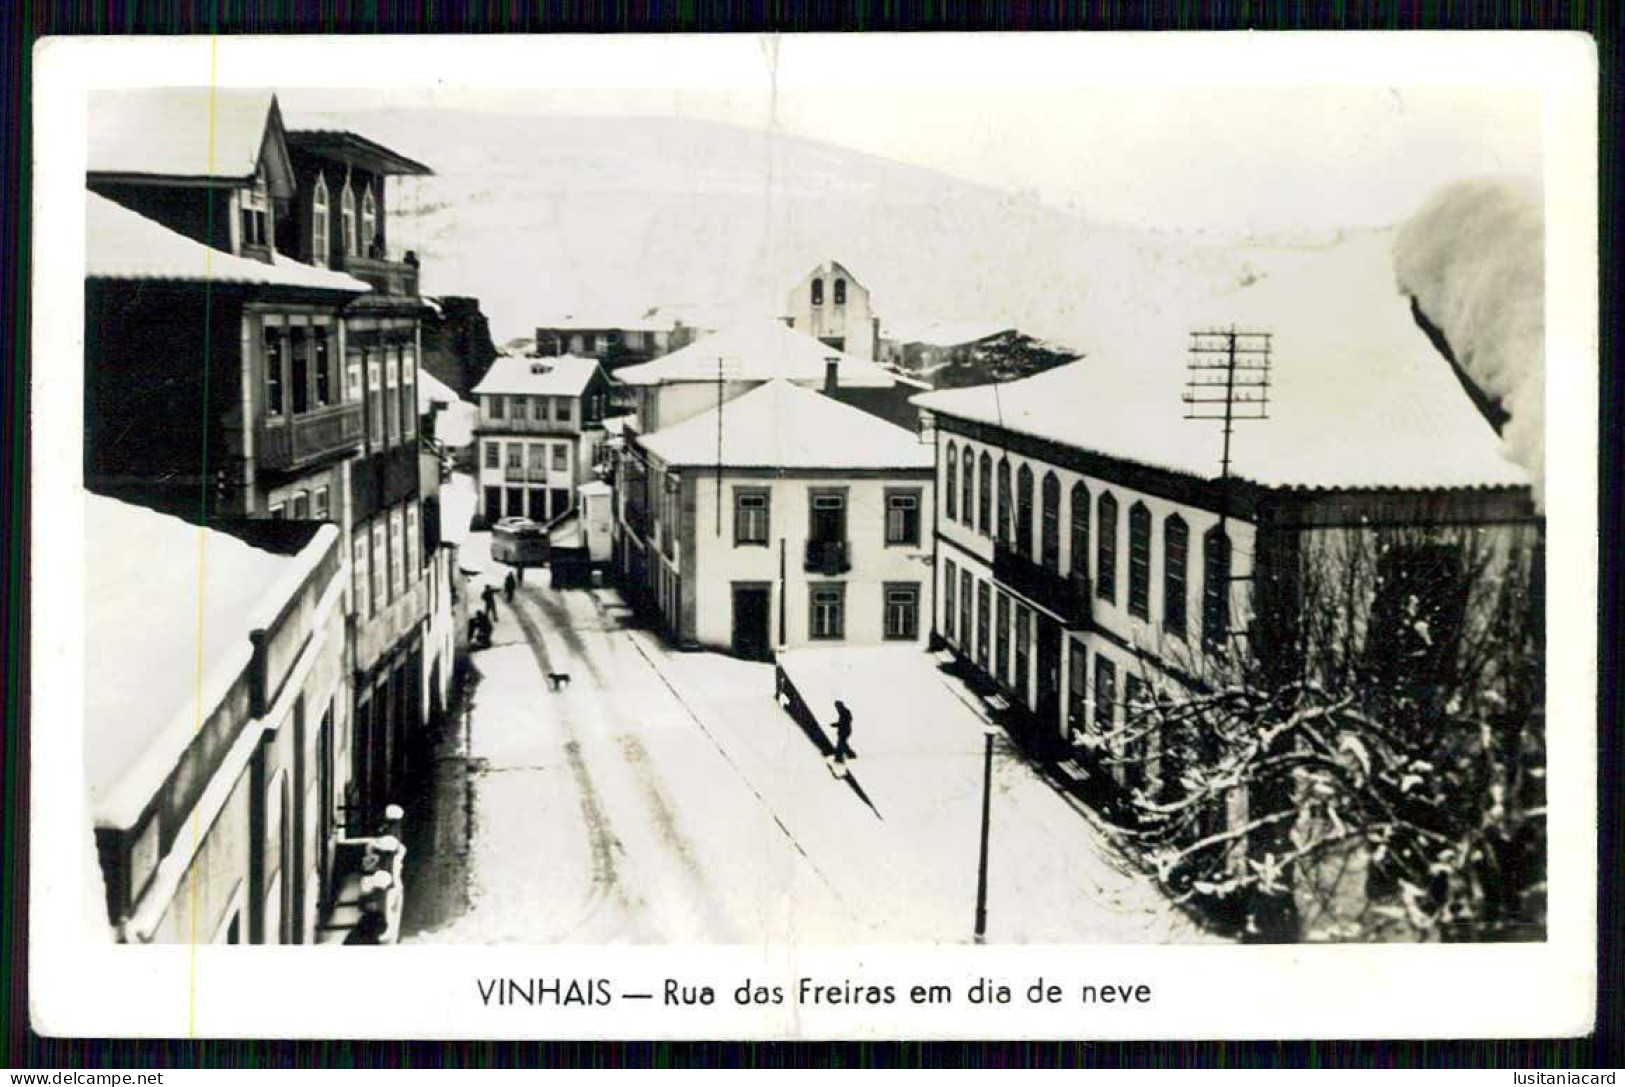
[964, 610]
[409, 391]
[300, 368]
[538, 457]
[516, 454]
[495, 406]
[1001, 641]
[1175, 554]
[984, 622]
[352, 376]
[561, 457]
[1024, 649]
[518, 406]
[321, 506]
[301, 506]
[274, 403]
[493, 454]
[380, 566]
[322, 360]
[902, 518]
[902, 619]
[397, 556]
[414, 561]
[1078, 689]
[828, 516]
[1135, 706]
[563, 409]
[1105, 694]
[359, 573]
[375, 399]
[392, 380]
[950, 582]
[751, 511]
[828, 619]
[1139, 561]
[1106, 550]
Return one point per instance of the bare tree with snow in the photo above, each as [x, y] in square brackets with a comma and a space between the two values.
[1376, 773]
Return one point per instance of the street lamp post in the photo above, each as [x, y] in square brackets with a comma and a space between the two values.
[988, 733]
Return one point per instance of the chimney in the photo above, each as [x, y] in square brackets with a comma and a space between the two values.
[832, 372]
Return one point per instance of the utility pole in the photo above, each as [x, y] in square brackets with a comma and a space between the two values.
[1228, 382]
[722, 373]
[988, 732]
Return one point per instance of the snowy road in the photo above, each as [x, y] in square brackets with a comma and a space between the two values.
[664, 797]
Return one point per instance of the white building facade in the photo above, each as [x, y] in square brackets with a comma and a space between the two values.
[538, 435]
[830, 305]
[812, 528]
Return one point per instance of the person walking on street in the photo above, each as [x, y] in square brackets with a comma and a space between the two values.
[843, 731]
[489, 595]
[507, 587]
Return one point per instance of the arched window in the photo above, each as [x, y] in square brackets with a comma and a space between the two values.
[369, 226]
[1004, 500]
[1175, 549]
[1024, 511]
[1080, 532]
[347, 222]
[1139, 561]
[1049, 536]
[984, 496]
[1106, 549]
[951, 485]
[968, 487]
[818, 292]
[840, 292]
[320, 223]
[1215, 588]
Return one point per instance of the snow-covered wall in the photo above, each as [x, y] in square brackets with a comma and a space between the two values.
[1471, 258]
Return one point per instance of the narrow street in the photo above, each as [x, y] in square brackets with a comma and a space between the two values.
[661, 796]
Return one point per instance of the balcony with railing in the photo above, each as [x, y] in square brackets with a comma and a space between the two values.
[828, 557]
[1067, 597]
[308, 438]
[392, 278]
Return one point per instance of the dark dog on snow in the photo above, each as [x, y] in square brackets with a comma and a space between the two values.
[556, 680]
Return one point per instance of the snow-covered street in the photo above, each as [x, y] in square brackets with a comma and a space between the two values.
[663, 796]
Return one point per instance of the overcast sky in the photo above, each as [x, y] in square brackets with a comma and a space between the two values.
[1182, 133]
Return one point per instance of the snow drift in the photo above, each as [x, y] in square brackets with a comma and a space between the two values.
[1471, 261]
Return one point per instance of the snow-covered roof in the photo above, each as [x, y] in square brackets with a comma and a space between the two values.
[604, 321]
[781, 425]
[1359, 398]
[169, 607]
[560, 375]
[759, 351]
[121, 244]
[945, 333]
[454, 426]
[192, 132]
[615, 425]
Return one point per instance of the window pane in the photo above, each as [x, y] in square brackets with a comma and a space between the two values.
[1106, 550]
[1175, 545]
[951, 483]
[1139, 561]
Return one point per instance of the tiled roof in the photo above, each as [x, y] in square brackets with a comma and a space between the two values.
[121, 244]
[780, 425]
[560, 375]
[759, 351]
[177, 132]
[1359, 398]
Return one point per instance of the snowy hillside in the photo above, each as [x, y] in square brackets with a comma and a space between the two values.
[535, 215]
